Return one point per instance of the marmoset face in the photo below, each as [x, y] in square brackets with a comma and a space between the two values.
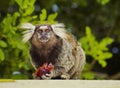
[44, 33]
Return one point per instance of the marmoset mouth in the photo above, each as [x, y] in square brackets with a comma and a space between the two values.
[44, 39]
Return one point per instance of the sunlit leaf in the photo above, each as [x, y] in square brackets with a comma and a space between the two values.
[43, 15]
[97, 49]
[3, 44]
[52, 17]
[103, 63]
[19, 2]
[103, 2]
[88, 75]
[88, 30]
[15, 16]
[1, 55]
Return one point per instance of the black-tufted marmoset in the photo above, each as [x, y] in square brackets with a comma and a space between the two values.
[52, 44]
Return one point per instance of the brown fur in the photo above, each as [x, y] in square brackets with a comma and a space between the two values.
[46, 52]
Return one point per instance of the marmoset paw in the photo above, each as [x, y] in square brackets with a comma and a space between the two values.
[46, 76]
[65, 76]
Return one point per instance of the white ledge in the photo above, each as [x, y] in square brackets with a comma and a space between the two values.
[61, 84]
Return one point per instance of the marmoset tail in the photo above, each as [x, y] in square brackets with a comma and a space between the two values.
[53, 44]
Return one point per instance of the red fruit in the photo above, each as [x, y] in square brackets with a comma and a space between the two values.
[44, 69]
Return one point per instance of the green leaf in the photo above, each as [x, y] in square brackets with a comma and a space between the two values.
[34, 17]
[81, 2]
[2, 56]
[15, 16]
[20, 3]
[7, 24]
[26, 7]
[88, 30]
[106, 41]
[103, 63]
[98, 50]
[107, 55]
[88, 75]
[52, 17]
[3, 44]
[103, 2]
[28, 11]
[43, 15]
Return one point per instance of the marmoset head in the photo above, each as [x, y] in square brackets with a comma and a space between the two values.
[43, 33]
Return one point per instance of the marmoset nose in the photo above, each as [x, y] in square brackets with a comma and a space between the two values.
[43, 33]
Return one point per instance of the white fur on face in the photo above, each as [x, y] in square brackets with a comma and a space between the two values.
[43, 27]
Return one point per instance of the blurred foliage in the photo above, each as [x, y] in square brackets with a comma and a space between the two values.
[98, 50]
[14, 54]
[44, 19]
[102, 16]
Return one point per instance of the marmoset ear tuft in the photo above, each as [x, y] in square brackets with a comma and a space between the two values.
[59, 30]
[28, 33]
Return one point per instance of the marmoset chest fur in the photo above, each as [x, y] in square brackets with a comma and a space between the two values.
[52, 44]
